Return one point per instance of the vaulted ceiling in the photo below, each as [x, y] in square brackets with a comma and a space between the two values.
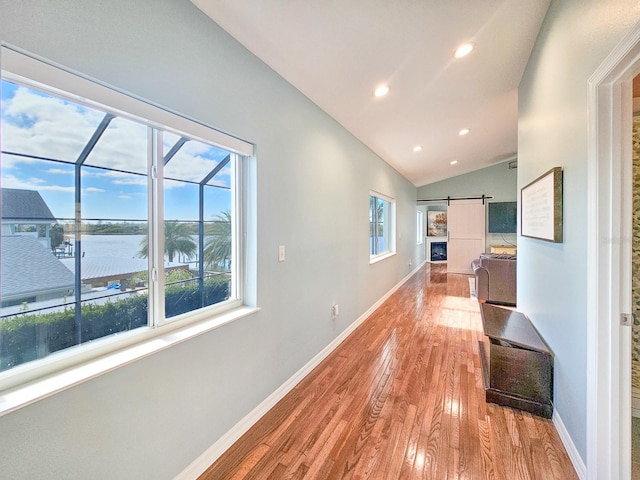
[337, 52]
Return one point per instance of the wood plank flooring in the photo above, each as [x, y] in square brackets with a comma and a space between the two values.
[401, 398]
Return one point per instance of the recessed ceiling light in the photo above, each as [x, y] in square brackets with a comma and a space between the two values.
[463, 132]
[453, 162]
[463, 50]
[417, 148]
[381, 91]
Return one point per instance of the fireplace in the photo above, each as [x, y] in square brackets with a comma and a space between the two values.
[438, 251]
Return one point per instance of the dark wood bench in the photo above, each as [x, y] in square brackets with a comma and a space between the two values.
[518, 368]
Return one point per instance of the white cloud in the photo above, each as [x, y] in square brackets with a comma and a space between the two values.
[131, 181]
[123, 146]
[194, 161]
[10, 181]
[116, 178]
[50, 127]
[37, 181]
[59, 171]
[46, 126]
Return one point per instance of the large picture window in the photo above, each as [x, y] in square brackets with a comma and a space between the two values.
[382, 226]
[113, 218]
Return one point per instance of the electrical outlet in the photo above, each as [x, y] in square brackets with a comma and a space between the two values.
[335, 311]
[281, 253]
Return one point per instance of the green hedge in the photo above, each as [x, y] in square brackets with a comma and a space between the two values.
[31, 336]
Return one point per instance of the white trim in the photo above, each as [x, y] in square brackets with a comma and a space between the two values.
[209, 456]
[572, 451]
[155, 245]
[29, 393]
[608, 357]
[377, 258]
[419, 226]
[373, 193]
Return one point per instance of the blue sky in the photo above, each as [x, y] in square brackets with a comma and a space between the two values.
[39, 124]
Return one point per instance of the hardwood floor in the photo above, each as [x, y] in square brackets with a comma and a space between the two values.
[402, 398]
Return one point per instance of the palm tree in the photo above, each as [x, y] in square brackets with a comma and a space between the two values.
[218, 247]
[177, 239]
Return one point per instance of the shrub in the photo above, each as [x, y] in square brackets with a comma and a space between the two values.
[27, 337]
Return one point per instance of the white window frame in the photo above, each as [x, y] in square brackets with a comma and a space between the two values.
[391, 221]
[71, 366]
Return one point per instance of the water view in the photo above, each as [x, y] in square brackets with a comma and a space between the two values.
[120, 246]
[113, 295]
[124, 246]
[111, 265]
[61, 158]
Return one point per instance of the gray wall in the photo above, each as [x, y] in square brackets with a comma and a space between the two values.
[152, 418]
[576, 37]
[498, 181]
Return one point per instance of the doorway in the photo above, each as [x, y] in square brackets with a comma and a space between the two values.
[609, 262]
[635, 288]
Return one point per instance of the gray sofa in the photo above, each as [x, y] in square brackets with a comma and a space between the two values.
[495, 278]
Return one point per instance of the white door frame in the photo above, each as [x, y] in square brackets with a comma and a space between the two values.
[609, 262]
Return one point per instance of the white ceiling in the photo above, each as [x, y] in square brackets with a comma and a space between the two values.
[337, 51]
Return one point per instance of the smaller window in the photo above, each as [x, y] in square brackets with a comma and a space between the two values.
[420, 228]
[382, 225]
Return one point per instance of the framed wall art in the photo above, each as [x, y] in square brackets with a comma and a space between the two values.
[541, 207]
[436, 223]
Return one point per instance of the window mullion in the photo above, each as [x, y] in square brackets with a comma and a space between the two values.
[156, 228]
[377, 223]
[236, 260]
[374, 231]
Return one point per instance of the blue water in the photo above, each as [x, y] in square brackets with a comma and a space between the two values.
[118, 246]
[123, 246]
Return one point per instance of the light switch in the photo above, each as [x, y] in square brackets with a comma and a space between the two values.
[281, 253]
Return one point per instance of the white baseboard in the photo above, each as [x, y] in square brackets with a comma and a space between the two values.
[572, 451]
[204, 461]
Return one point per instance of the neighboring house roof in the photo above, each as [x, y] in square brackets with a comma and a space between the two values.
[107, 267]
[28, 268]
[24, 206]
[112, 268]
